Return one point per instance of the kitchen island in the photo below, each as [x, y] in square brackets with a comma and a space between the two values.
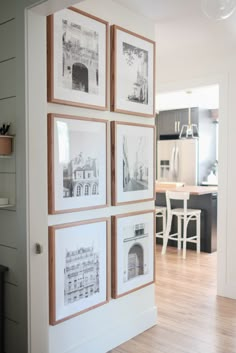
[201, 197]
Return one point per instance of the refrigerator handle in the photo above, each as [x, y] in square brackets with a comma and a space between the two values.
[176, 166]
[172, 163]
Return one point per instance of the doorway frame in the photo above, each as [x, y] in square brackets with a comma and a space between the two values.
[36, 192]
[222, 81]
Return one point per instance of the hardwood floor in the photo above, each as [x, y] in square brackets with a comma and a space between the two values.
[191, 318]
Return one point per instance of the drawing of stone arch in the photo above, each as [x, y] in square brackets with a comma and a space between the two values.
[135, 261]
[80, 77]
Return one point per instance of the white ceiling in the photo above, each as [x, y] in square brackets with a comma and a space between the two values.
[184, 20]
[167, 10]
[204, 97]
[164, 10]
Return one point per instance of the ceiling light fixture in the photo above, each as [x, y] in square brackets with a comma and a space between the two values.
[190, 130]
[218, 9]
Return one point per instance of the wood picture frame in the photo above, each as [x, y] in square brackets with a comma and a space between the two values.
[77, 163]
[78, 268]
[133, 252]
[132, 73]
[132, 162]
[77, 59]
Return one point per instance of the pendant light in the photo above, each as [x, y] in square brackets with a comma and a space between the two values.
[218, 9]
[190, 130]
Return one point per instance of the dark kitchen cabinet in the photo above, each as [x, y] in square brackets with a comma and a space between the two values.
[166, 122]
[170, 122]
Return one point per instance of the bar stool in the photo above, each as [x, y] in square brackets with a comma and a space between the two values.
[183, 214]
[161, 213]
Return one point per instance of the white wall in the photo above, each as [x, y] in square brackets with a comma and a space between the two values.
[205, 58]
[109, 325]
[204, 97]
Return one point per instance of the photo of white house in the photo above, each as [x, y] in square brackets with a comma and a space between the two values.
[81, 177]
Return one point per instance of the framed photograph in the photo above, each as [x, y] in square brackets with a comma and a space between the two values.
[133, 162]
[133, 73]
[77, 268]
[77, 59]
[133, 252]
[77, 163]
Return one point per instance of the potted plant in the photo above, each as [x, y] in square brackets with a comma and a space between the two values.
[5, 140]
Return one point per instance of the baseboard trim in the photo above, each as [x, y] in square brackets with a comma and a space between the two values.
[227, 291]
[118, 334]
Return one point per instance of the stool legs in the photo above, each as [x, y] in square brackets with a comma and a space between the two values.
[161, 214]
[164, 222]
[166, 234]
[198, 232]
[179, 233]
[184, 237]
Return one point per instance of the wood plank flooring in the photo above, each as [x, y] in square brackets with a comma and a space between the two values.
[191, 318]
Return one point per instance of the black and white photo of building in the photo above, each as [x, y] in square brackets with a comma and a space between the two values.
[135, 163]
[136, 60]
[81, 274]
[81, 177]
[80, 61]
[135, 245]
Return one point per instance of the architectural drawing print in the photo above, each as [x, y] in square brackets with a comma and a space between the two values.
[81, 176]
[81, 274]
[80, 59]
[135, 163]
[136, 67]
[135, 245]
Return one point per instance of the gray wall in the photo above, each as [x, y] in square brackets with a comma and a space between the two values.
[8, 217]
[13, 239]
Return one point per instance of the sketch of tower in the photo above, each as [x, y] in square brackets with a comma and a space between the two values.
[126, 171]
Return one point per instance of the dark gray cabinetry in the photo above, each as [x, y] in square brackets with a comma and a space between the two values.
[166, 123]
[170, 122]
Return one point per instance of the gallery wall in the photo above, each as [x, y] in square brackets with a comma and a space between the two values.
[96, 327]
[107, 326]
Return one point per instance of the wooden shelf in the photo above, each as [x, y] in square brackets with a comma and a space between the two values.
[2, 156]
[7, 206]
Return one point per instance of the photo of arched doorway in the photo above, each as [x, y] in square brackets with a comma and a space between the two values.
[135, 261]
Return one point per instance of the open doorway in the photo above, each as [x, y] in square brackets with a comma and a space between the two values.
[194, 169]
[183, 283]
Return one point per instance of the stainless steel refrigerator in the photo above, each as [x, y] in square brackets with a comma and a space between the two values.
[178, 161]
